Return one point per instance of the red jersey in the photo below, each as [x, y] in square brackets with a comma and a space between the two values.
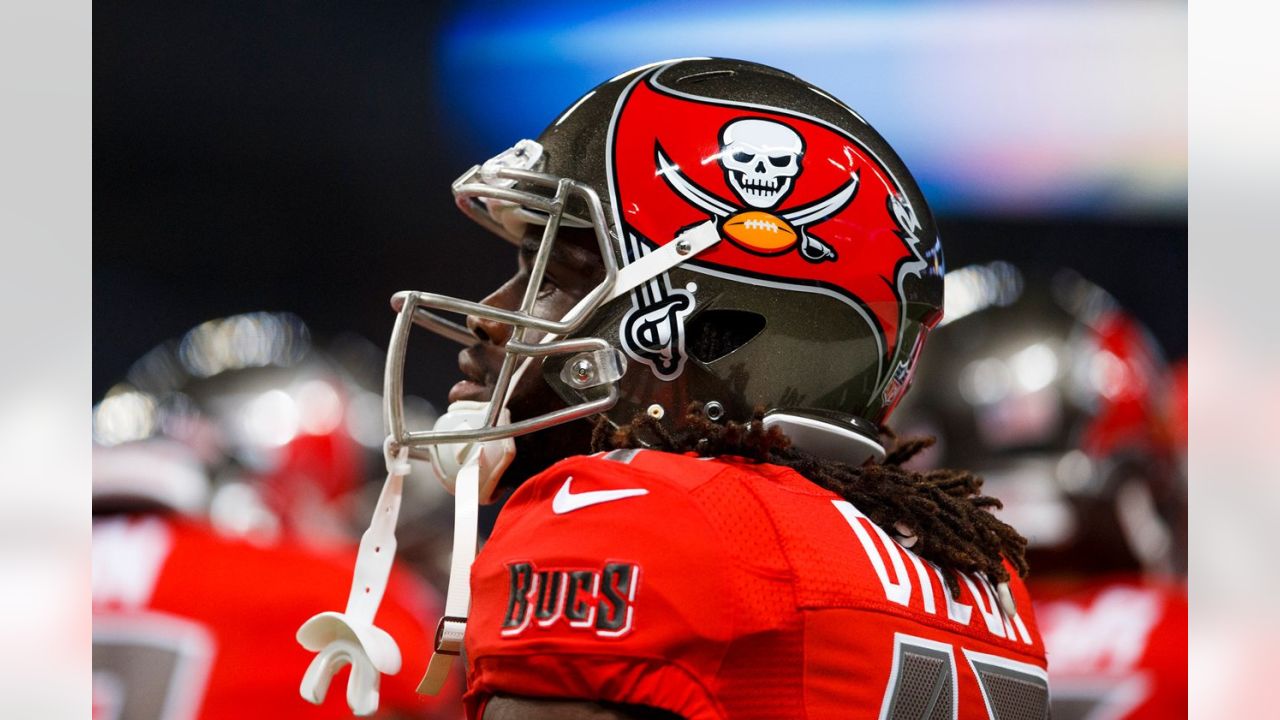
[721, 589]
[1117, 649]
[188, 623]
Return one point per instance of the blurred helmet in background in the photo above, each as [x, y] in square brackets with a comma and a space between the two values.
[1175, 409]
[1044, 386]
[287, 433]
[1176, 406]
[154, 473]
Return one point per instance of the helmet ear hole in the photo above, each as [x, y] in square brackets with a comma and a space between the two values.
[713, 334]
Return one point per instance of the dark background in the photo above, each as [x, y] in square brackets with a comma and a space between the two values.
[297, 156]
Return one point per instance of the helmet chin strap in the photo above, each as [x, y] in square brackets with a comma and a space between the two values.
[470, 471]
[472, 481]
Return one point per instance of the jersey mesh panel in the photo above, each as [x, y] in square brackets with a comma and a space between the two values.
[918, 683]
[762, 672]
[792, 503]
[943, 710]
[1015, 699]
[763, 577]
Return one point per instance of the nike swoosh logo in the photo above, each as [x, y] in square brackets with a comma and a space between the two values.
[566, 501]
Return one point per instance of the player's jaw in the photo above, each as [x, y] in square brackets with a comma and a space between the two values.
[529, 396]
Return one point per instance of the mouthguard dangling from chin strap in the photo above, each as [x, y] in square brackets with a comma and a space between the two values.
[470, 471]
[350, 637]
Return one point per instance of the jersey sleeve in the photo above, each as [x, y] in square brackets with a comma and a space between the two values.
[601, 582]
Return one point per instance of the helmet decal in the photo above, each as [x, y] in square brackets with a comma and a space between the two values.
[802, 205]
[903, 372]
[760, 158]
[653, 329]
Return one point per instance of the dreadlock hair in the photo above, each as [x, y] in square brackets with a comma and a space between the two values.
[943, 509]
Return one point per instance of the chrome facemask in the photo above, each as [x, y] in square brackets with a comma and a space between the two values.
[487, 193]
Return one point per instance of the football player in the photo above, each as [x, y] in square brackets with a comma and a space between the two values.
[725, 276]
[191, 613]
[1045, 386]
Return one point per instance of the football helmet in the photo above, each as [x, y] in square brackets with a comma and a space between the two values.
[1046, 387]
[269, 415]
[762, 246]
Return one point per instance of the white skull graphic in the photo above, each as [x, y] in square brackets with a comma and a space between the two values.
[760, 159]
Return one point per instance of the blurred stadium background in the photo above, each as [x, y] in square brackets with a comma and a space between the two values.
[297, 158]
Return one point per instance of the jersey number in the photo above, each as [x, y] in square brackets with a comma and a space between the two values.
[924, 685]
[149, 666]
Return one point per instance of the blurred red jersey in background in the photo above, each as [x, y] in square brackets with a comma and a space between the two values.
[189, 623]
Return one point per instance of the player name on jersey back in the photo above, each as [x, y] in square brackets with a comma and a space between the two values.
[899, 587]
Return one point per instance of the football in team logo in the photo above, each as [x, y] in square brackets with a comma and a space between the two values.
[761, 232]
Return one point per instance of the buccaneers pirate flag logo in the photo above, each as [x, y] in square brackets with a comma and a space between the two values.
[799, 202]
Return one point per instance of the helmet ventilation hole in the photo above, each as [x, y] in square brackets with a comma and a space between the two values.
[713, 334]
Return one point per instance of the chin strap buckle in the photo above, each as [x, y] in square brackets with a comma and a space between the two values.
[449, 632]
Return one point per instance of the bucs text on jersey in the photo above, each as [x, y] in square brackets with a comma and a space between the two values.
[721, 589]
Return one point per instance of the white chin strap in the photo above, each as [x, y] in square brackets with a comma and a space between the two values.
[471, 473]
[350, 637]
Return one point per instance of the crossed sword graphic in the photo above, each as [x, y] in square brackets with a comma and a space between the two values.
[811, 248]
